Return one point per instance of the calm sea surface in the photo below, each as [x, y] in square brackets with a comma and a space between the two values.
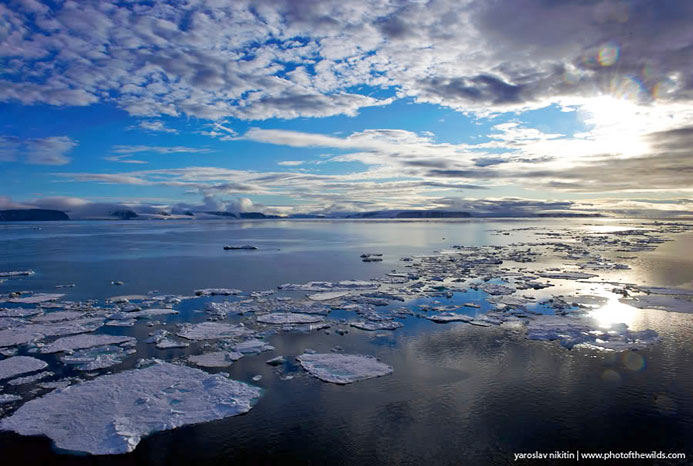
[459, 394]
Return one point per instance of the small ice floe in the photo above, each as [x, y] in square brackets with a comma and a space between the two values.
[326, 296]
[225, 308]
[19, 312]
[376, 325]
[257, 378]
[34, 332]
[445, 317]
[494, 288]
[278, 361]
[36, 298]
[215, 359]
[370, 257]
[117, 283]
[567, 275]
[111, 414]
[343, 368]
[84, 341]
[19, 273]
[58, 316]
[17, 365]
[218, 292]
[289, 318]
[254, 345]
[7, 398]
[149, 313]
[246, 247]
[211, 331]
[92, 359]
[30, 378]
[121, 323]
[665, 291]
[661, 302]
[167, 343]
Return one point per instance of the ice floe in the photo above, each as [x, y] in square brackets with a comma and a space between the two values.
[36, 298]
[211, 331]
[84, 341]
[253, 346]
[101, 357]
[343, 368]
[289, 318]
[215, 359]
[17, 365]
[661, 302]
[111, 414]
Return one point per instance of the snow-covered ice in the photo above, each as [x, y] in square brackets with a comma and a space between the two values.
[215, 359]
[211, 331]
[17, 365]
[76, 342]
[111, 414]
[343, 368]
[289, 318]
[253, 345]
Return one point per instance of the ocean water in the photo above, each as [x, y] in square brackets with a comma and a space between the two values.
[459, 394]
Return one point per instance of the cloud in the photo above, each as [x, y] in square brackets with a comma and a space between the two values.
[125, 149]
[155, 126]
[36, 151]
[261, 59]
[291, 163]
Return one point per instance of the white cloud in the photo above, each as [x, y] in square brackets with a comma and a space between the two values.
[36, 151]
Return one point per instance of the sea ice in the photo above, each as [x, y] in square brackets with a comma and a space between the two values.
[289, 318]
[216, 359]
[7, 398]
[58, 316]
[665, 291]
[84, 341]
[211, 331]
[17, 365]
[34, 332]
[253, 346]
[20, 273]
[30, 378]
[445, 317]
[91, 359]
[218, 292]
[662, 302]
[328, 295]
[111, 414]
[343, 368]
[379, 325]
[36, 298]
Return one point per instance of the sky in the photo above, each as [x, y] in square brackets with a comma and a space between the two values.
[329, 107]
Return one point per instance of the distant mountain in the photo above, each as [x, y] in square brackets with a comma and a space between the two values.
[411, 214]
[124, 214]
[32, 215]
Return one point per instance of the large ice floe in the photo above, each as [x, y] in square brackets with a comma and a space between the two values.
[35, 332]
[111, 414]
[343, 368]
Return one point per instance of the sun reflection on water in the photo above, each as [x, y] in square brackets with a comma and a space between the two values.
[614, 312]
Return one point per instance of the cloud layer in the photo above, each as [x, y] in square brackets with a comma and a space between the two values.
[266, 58]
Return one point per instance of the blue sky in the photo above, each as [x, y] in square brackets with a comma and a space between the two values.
[346, 106]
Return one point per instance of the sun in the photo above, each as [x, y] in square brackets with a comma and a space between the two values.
[618, 125]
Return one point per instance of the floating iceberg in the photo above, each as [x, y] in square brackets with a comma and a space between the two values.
[343, 368]
[111, 414]
[17, 365]
[289, 318]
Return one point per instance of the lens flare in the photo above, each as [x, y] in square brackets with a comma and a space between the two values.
[608, 54]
